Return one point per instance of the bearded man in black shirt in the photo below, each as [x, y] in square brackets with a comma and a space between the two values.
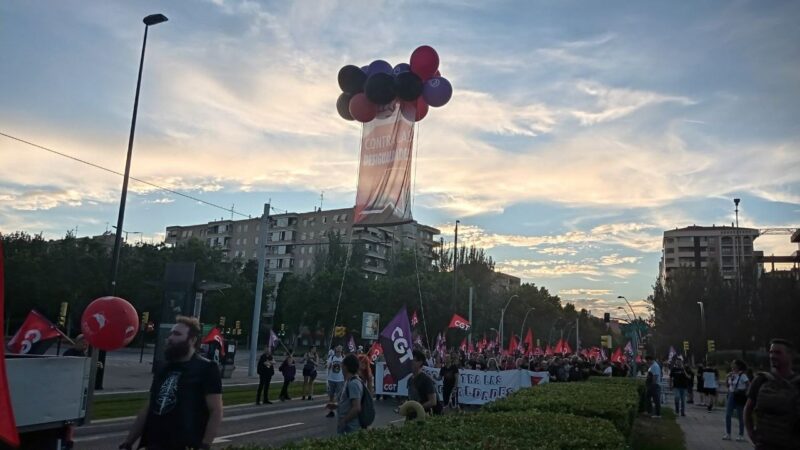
[185, 406]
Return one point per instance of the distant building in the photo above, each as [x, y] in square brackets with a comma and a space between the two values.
[295, 239]
[504, 282]
[728, 249]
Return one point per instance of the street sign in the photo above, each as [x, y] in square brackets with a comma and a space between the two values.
[370, 325]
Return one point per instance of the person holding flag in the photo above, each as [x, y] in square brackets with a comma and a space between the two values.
[289, 371]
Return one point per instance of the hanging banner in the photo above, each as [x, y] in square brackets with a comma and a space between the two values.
[370, 325]
[475, 387]
[384, 178]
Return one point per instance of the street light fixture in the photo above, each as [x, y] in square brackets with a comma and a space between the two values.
[522, 328]
[626, 313]
[629, 305]
[702, 317]
[502, 316]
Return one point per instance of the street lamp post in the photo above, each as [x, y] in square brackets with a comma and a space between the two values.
[502, 316]
[522, 328]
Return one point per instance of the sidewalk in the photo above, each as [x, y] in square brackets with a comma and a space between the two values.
[703, 430]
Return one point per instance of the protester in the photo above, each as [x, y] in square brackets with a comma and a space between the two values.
[310, 360]
[289, 371]
[701, 391]
[365, 372]
[335, 375]
[266, 370]
[737, 397]
[690, 373]
[653, 383]
[349, 398]
[449, 374]
[421, 387]
[710, 385]
[771, 414]
[492, 366]
[184, 409]
[679, 381]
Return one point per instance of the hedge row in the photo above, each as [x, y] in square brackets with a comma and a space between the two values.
[594, 415]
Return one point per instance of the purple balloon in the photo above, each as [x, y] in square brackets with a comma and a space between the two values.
[437, 91]
[365, 69]
[400, 68]
[380, 66]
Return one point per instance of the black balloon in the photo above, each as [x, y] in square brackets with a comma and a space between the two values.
[343, 105]
[408, 86]
[379, 88]
[351, 79]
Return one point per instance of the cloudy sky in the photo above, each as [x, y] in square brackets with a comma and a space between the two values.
[577, 133]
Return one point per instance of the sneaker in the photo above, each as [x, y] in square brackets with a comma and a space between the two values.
[726, 437]
[330, 414]
[740, 438]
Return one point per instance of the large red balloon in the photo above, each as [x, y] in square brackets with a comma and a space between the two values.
[109, 323]
[424, 62]
[422, 109]
[362, 109]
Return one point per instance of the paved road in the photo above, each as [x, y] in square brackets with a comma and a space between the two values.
[267, 425]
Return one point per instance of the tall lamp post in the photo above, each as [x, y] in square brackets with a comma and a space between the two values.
[502, 316]
[522, 328]
[153, 19]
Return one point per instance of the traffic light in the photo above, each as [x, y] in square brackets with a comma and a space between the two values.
[62, 314]
[605, 341]
[685, 346]
[339, 331]
[711, 346]
[222, 321]
[145, 319]
[282, 331]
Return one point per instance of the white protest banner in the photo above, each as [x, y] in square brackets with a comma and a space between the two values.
[475, 387]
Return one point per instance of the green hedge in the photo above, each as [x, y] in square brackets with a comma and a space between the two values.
[482, 430]
[614, 401]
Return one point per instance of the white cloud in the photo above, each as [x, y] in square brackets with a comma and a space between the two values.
[582, 291]
[614, 103]
[558, 251]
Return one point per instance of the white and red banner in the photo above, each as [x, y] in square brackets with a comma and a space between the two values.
[459, 322]
[475, 387]
[384, 178]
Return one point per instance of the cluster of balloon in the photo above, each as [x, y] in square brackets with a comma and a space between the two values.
[418, 84]
[109, 323]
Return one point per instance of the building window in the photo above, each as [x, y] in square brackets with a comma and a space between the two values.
[301, 263]
[256, 240]
[238, 241]
[311, 235]
[302, 250]
[303, 236]
[305, 222]
[244, 241]
[310, 250]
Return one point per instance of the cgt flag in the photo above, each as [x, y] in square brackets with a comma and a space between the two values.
[375, 351]
[395, 340]
[8, 426]
[459, 322]
[384, 175]
[33, 334]
[214, 336]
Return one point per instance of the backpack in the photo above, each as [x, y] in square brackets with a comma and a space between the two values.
[367, 414]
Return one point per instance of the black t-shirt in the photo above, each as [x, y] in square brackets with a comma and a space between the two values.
[680, 379]
[178, 412]
[420, 387]
[449, 374]
[266, 368]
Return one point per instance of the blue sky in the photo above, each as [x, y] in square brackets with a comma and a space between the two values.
[577, 133]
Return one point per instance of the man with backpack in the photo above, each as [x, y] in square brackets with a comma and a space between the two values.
[354, 408]
[771, 414]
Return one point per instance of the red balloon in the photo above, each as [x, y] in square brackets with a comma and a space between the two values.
[422, 109]
[109, 323]
[424, 62]
[362, 109]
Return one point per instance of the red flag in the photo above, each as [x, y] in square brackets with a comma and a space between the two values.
[35, 329]
[375, 351]
[470, 348]
[616, 357]
[215, 336]
[559, 350]
[548, 351]
[414, 319]
[513, 344]
[8, 426]
[529, 340]
[565, 348]
[459, 322]
[351, 345]
[537, 351]
[463, 345]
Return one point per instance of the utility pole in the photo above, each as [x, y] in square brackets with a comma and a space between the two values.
[262, 265]
[455, 265]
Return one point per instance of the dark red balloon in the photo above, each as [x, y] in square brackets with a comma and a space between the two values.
[362, 109]
[109, 323]
[424, 62]
[422, 109]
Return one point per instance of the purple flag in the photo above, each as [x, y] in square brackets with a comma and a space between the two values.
[396, 342]
[273, 340]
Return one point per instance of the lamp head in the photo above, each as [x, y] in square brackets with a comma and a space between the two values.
[154, 19]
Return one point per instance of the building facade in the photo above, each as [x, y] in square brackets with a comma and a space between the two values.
[295, 239]
[728, 249]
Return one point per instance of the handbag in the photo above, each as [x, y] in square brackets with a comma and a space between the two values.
[739, 397]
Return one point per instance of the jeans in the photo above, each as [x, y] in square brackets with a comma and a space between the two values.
[680, 400]
[730, 407]
[263, 385]
[285, 389]
[654, 396]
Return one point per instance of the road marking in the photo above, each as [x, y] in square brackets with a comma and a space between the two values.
[225, 408]
[227, 438]
[318, 406]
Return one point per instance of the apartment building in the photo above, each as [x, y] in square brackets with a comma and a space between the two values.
[295, 239]
[727, 248]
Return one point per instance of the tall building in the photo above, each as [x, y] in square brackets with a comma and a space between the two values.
[294, 240]
[726, 248]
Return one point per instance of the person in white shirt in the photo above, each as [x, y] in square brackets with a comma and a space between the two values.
[335, 375]
[737, 397]
[653, 383]
[710, 384]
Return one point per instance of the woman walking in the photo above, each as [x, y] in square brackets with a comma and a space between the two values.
[288, 370]
[680, 380]
[310, 361]
[738, 382]
[710, 384]
[449, 375]
[265, 372]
